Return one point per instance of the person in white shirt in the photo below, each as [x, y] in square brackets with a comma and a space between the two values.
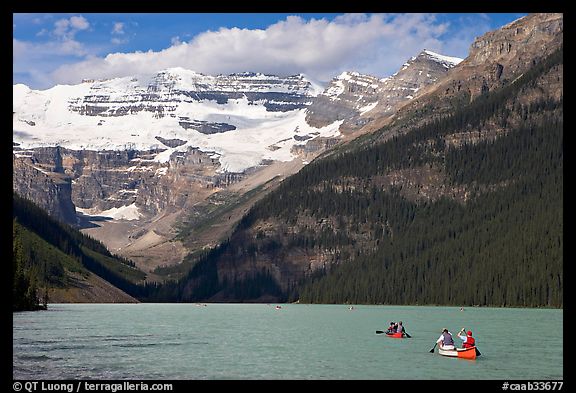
[445, 340]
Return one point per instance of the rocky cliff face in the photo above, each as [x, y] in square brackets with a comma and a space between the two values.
[496, 59]
[50, 189]
[356, 98]
[501, 56]
[149, 143]
[348, 96]
[98, 181]
[166, 91]
[511, 50]
[123, 198]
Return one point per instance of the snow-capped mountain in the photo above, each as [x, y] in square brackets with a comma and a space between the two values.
[355, 98]
[148, 150]
[241, 118]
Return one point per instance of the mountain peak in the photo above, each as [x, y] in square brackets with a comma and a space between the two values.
[347, 75]
[179, 71]
[447, 61]
[355, 98]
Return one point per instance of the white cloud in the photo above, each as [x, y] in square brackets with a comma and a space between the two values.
[118, 41]
[118, 32]
[24, 51]
[61, 27]
[79, 23]
[34, 60]
[31, 60]
[118, 28]
[66, 29]
[376, 44]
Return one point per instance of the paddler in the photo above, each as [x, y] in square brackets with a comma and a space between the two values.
[445, 340]
[469, 341]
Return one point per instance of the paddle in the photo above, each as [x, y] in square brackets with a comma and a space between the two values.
[433, 348]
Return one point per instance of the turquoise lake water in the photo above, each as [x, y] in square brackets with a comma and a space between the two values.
[297, 341]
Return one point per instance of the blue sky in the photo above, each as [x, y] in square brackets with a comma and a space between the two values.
[51, 49]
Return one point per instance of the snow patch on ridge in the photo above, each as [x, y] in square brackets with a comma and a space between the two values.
[368, 107]
[127, 212]
[443, 59]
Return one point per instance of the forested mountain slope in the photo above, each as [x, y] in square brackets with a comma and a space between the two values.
[464, 209]
[53, 262]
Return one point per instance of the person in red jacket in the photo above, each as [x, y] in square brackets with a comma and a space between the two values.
[469, 341]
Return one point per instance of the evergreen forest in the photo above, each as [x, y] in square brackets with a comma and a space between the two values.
[493, 235]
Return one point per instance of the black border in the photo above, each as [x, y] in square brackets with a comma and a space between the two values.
[292, 6]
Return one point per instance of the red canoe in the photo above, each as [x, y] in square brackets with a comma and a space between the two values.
[462, 353]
